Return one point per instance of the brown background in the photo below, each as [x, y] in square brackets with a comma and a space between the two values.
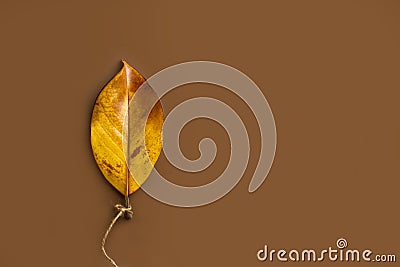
[329, 69]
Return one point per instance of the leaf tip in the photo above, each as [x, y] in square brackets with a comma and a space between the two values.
[127, 66]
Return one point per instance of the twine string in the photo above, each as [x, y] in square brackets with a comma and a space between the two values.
[121, 210]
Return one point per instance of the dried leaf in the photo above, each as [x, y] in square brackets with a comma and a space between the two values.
[107, 129]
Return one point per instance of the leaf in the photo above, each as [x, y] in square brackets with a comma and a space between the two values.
[107, 132]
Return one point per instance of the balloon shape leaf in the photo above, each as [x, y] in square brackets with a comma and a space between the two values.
[109, 146]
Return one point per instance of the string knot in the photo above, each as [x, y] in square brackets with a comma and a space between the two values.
[124, 209]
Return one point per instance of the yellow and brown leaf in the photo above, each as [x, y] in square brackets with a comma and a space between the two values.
[107, 131]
